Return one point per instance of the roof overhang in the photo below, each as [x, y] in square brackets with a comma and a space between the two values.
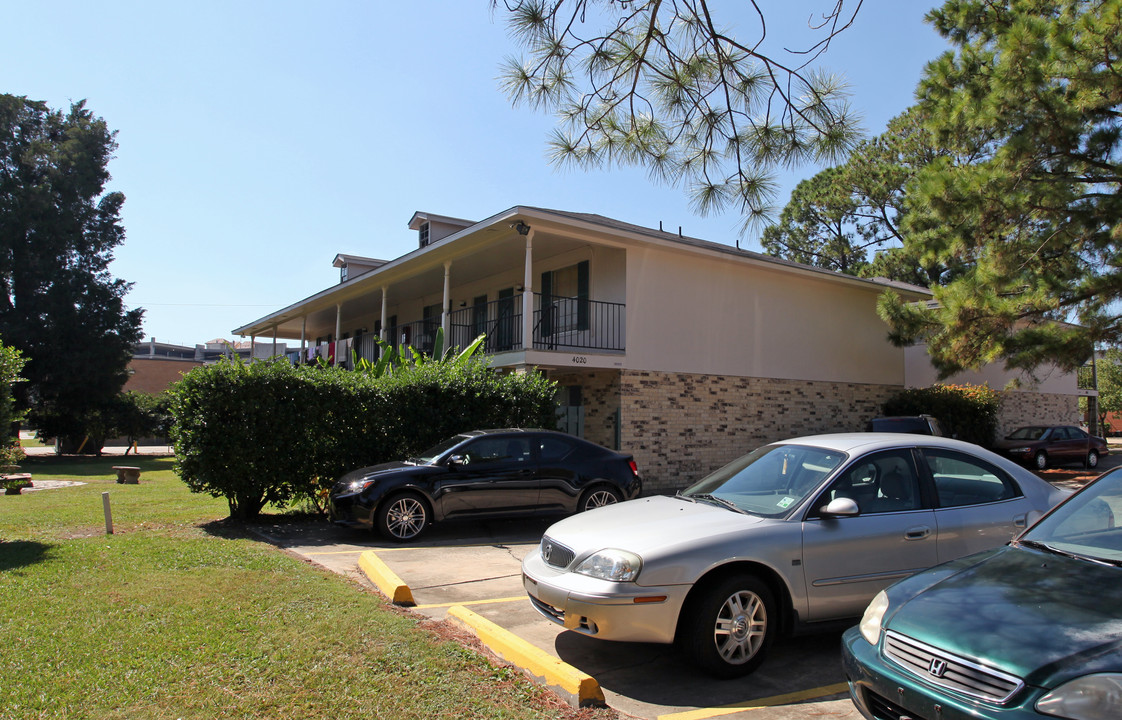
[417, 272]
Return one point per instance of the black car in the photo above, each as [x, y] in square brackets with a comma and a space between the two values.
[913, 424]
[484, 474]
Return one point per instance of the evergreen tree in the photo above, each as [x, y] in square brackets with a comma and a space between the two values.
[1036, 217]
[839, 217]
[665, 86]
[60, 306]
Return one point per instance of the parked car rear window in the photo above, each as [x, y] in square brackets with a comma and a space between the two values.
[554, 448]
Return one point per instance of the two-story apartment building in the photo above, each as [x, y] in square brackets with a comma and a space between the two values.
[684, 352]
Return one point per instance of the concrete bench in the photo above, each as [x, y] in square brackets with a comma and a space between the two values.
[127, 475]
[15, 482]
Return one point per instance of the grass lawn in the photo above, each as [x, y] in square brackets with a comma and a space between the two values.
[183, 614]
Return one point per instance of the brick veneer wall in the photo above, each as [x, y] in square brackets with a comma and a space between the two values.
[600, 390]
[1026, 408]
[154, 375]
[680, 426]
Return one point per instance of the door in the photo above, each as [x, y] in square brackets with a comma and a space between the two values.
[496, 474]
[980, 506]
[847, 560]
[560, 479]
[1072, 443]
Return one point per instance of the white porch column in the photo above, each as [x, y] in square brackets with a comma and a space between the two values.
[273, 352]
[338, 329]
[385, 315]
[528, 291]
[303, 338]
[445, 308]
[252, 346]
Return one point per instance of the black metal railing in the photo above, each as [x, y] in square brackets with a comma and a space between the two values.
[560, 323]
[578, 323]
[500, 320]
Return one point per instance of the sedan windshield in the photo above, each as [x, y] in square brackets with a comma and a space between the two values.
[437, 450]
[1084, 526]
[769, 481]
[1027, 433]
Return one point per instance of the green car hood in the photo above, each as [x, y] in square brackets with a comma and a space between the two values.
[1039, 616]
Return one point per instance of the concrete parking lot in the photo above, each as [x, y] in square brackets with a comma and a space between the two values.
[477, 566]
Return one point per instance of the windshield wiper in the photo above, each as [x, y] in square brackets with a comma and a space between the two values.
[1037, 545]
[719, 501]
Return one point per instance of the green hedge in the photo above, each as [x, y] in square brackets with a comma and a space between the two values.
[270, 433]
[967, 412]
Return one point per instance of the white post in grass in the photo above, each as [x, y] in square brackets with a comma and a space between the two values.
[108, 513]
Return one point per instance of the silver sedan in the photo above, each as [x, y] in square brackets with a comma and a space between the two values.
[795, 536]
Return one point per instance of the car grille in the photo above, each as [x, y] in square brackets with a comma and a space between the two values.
[555, 554]
[950, 671]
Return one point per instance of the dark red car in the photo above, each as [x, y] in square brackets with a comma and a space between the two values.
[1042, 445]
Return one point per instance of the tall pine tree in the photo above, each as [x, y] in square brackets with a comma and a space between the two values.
[1036, 218]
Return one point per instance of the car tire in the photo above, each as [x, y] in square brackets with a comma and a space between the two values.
[1040, 460]
[403, 517]
[1092, 461]
[598, 496]
[728, 629]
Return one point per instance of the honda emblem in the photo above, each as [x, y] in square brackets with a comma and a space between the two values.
[937, 668]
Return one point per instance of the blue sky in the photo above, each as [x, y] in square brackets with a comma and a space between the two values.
[259, 139]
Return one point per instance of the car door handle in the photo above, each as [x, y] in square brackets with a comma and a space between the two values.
[1020, 521]
[917, 533]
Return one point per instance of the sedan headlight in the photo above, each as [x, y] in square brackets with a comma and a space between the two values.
[871, 620]
[1020, 450]
[611, 564]
[1092, 697]
[359, 485]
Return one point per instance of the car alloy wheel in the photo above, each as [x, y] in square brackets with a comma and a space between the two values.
[599, 497]
[403, 517]
[730, 628]
[1092, 459]
[1041, 460]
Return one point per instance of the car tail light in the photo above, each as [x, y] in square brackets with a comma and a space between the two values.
[634, 468]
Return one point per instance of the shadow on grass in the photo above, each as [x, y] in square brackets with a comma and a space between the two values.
[21, 553]
[88, 466]
[306, 528]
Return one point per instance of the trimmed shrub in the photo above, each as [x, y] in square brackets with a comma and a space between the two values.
[269, 433]
[967, 412]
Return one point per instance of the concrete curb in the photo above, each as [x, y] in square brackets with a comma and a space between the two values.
[386, 580]
[579, 689]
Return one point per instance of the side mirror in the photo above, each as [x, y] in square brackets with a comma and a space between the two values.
[454, 461]
[840, 507]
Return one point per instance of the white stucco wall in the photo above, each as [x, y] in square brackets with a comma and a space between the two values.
[920, 373]
[724, 316]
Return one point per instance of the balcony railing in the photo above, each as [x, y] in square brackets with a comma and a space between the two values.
[575, 323]
[560, 323]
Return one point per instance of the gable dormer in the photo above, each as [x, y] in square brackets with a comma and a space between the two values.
[351, 266]
[434, 228]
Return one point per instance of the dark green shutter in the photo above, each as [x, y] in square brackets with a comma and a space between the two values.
[582, 295]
